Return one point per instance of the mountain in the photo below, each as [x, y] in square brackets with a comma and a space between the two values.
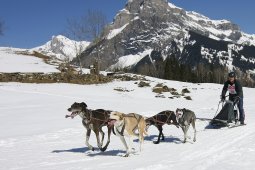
[62, 48]
[145, 26]
[40, 59]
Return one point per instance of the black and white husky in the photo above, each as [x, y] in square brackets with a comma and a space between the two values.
[186, 117]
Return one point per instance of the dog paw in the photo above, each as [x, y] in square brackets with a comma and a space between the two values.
[126, 155]
[103, 149]
[156, 142]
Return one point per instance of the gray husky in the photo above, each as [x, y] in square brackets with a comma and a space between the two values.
[186, 117]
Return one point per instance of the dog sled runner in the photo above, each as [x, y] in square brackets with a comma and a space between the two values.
[227, 117]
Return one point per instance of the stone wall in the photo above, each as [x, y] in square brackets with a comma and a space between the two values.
[54, 78]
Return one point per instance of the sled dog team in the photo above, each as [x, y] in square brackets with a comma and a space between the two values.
[129, 125]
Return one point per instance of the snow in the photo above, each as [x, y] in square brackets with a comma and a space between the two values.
[115, 32]
[212, 26]
[196, 16]
[129, 60]
[12, 62]
[124, 11]
[62, 48]
[35, 135]
[136, 18]
[173, 6]
[247, 39]
[213, 37]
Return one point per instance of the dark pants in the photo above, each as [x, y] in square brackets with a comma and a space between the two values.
[240, 108]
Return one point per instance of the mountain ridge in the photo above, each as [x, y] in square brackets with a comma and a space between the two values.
[157, 24]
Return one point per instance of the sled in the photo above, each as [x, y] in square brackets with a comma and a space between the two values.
[227, 117]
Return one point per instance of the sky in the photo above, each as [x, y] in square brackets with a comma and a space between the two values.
[31, 23]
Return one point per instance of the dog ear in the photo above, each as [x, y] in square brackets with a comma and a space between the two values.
[84, 104]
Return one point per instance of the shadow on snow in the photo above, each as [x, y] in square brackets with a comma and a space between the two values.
[170, 139]
[85, 150]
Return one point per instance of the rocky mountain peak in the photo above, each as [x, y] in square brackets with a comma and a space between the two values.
[144, 26]
[62, 48]
[136, 6]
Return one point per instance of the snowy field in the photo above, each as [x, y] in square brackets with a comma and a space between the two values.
[35, 135]
[11, 62]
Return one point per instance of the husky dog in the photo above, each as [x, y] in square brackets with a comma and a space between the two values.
[126, 125]
[186, 117]
[160, 119]
[92, 120]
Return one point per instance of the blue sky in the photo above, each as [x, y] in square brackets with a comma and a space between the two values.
[30, 23]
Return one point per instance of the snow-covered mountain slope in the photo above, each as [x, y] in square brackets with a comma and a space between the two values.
[129, 60]
[12, 61]
[59, 49]
[159, 25]
[35, 135]
[62, 48]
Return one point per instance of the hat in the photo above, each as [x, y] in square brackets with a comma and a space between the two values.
[232, 74]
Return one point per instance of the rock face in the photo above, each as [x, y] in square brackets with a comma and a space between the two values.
[166, 30]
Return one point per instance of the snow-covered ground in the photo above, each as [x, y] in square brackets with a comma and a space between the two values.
[12, 62]
[35, 135]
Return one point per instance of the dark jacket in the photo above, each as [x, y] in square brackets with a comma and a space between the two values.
[234, 89]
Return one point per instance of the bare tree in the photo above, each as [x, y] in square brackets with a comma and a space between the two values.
[95, 23]
[87, 27]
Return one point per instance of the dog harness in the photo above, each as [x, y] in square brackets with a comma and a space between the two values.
[137, 117]
[122, 129]
[156, 119]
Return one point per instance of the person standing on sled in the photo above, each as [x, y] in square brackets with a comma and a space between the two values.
[235, 89]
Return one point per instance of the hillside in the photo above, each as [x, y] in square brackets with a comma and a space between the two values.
[12, 60]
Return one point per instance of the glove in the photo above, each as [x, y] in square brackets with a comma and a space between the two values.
[223, 98]
[236, 99]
